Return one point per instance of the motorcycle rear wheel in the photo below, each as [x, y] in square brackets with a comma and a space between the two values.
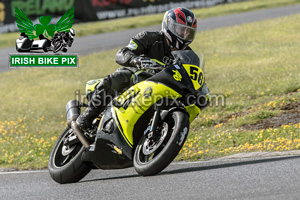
[151, 157]
[65, 164]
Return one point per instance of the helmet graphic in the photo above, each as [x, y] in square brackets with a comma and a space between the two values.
[179, 26]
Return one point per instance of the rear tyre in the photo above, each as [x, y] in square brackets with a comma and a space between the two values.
[65, 164]
[152, 155]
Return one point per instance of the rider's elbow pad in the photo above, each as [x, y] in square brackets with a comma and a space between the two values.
[124, 57]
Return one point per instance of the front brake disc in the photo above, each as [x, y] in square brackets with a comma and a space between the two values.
[151, 144]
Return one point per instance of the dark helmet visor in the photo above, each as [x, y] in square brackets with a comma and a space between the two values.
[183, 32]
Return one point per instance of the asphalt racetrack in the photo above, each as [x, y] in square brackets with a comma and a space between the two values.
[248, 178]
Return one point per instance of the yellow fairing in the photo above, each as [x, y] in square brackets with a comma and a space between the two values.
[143, 95]
[90, 85]
[193, 111]
[196, 74]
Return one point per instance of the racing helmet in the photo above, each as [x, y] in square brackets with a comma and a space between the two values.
[179, 26]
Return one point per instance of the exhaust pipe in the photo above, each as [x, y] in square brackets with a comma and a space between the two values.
[78, 132]
[73, 112]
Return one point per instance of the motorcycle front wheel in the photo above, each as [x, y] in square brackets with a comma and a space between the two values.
[65, 164]
[57, 47]
[155, 153]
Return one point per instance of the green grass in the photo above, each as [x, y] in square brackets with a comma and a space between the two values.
[83, 29]
[255, 66]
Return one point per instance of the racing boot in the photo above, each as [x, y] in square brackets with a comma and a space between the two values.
[84, 121]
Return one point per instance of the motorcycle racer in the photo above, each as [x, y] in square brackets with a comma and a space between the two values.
[179, 27]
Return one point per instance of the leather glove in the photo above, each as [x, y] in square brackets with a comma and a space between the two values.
[143, 62]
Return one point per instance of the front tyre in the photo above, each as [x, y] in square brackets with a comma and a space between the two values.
[65, 164]
[153, 154]
[57, 47]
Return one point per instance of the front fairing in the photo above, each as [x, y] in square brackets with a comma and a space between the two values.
[184, 76]
[134, 102]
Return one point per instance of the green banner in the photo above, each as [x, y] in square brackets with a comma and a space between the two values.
[44, 60]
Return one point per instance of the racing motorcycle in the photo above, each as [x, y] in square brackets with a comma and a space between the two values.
[62, 40]
[144, 127]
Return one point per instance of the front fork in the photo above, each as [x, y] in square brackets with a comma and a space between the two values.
[159, 115]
